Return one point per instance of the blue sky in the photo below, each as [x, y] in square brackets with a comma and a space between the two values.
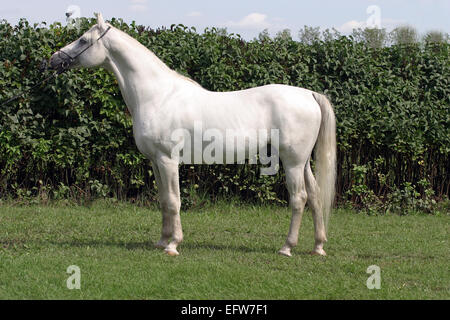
[246, 17]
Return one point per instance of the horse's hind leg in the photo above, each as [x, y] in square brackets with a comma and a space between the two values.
[296, 186]
[314, 203]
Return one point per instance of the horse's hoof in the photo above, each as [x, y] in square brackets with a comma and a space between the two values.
[285, 252]
[172, 252]
[319, 252]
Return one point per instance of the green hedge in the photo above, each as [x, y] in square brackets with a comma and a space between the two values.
[73, 136]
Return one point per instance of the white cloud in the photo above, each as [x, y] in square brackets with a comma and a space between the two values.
[254, 20]
[138, 5]
[194, 14]
[387, 24]
[350, 25]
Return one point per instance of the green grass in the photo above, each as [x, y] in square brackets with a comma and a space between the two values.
[229, 252]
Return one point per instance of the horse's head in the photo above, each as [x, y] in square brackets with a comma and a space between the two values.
[87, 51]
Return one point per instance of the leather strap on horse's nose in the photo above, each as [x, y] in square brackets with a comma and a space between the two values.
[68, 55]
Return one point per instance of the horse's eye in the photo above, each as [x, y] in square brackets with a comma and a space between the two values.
[83, 41]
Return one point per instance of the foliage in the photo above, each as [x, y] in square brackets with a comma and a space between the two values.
[309, 35]
[404, 35]
[373, 37]
[435, 36]
[73, 136]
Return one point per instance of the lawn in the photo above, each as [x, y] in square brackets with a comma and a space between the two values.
[229, 252]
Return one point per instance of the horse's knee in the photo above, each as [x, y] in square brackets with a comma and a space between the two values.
[171, 205]
[298, 200]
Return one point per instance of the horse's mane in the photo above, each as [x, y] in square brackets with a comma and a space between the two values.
[159, 61]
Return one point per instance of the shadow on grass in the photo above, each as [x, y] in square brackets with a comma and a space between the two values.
[135, 245]
[149, 245]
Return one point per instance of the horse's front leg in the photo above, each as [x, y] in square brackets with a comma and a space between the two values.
[166, 231]
[169, 196]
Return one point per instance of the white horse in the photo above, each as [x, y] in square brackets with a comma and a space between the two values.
[160, 101]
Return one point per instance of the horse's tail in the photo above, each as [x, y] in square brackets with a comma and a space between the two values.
[325, 156]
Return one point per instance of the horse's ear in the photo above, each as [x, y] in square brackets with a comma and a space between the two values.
[100, 22]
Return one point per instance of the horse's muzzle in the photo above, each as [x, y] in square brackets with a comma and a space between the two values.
[59, 62]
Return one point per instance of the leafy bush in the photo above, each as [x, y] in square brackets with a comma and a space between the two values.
[391, 103]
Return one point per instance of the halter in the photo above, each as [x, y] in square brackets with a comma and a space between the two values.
[65, 65]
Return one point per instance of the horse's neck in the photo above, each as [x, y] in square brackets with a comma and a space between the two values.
[143, 78]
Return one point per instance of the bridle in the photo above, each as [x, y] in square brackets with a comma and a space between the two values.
[64, 67]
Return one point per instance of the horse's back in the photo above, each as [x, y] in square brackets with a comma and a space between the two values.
[275, 106]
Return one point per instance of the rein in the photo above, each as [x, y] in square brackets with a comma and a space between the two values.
[64, 67]
[53, 75]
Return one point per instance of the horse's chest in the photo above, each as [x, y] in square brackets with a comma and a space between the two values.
[150, 137]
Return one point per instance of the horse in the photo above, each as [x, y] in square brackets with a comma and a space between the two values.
[160, 101]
